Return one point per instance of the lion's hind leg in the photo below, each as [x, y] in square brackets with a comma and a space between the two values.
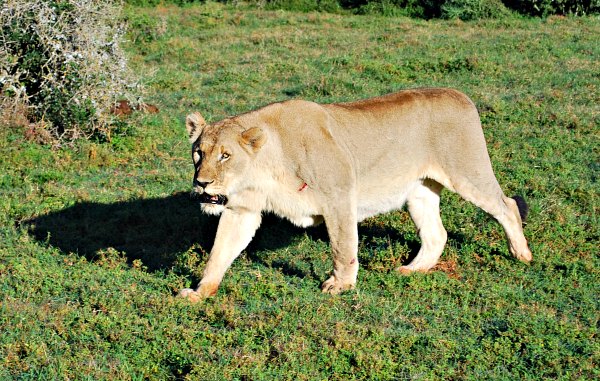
[509, 212]
[424, 208]
[511, 220]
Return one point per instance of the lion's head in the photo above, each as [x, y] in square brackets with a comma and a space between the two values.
[222, 153]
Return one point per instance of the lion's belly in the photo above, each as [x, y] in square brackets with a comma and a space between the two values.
[303, 210]
[297, 210]
[376, 200]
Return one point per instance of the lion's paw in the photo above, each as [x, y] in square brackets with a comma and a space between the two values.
[334, 286]
[404, 270]
[407, 270]
[525, 256]
[205, 290]
[191, 295]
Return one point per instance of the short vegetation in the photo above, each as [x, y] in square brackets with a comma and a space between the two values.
[463, 9]
[97, 236]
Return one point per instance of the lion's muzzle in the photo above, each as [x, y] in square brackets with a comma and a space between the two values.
[206, 198]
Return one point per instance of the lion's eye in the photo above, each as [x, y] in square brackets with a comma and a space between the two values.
[197, 155]
[224, 156]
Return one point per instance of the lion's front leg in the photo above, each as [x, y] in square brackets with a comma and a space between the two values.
[343, 235]
[234, 233]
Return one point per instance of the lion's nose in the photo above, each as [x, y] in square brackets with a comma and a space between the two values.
[201, 184]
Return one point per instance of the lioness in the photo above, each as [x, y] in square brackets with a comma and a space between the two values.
[341, 163]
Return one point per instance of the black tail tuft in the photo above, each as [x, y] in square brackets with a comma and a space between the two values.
[523, 207]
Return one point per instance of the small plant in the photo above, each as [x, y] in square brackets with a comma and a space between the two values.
[61, 62]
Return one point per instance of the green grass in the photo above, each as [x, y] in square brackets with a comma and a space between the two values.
[95, 240]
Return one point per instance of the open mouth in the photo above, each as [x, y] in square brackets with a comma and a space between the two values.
[206, 198]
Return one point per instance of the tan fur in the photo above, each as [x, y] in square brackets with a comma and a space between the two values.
[341, 163]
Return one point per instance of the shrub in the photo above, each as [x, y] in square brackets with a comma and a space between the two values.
[304, 5]
[62, 61]
[151, 3]
[473, 9]
[470, 9]
[545, 8]
[412, 8]
[427, 9]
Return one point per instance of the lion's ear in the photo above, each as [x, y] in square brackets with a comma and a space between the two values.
[194, 123]
[254, 137]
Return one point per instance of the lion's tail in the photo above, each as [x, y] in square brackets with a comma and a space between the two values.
[523, 207]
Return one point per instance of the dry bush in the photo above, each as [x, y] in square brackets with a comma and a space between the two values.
[62, 66]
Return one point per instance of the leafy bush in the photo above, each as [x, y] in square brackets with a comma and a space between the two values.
[412, 8]
[151, 3]
[427, 9]
[552, 7]
[469, 9]
[473, 9]
[304, 5]
[61, 61]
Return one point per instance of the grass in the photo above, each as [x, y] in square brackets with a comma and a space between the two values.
[96, 239]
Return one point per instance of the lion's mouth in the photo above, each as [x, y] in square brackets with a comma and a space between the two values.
[206, 198]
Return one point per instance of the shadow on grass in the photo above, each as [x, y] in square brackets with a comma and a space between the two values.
[157, 230]
[153, 230]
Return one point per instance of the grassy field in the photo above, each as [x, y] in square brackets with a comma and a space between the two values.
[96, 239]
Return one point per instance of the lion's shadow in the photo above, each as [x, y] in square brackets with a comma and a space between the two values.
[157, 230]
[154, 230]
